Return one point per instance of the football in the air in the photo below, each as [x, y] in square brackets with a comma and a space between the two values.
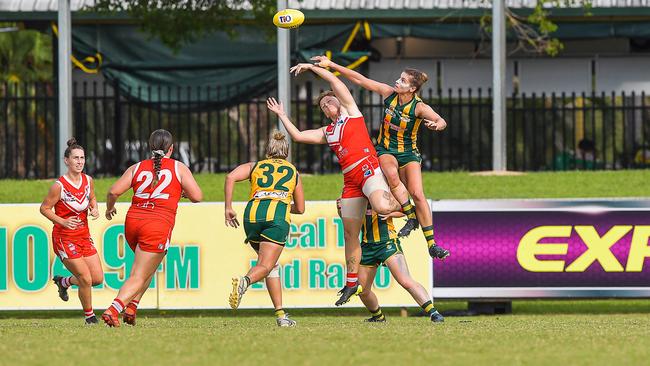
[288, 18]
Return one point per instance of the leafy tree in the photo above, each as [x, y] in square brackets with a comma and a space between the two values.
[25, 55]
[534, 33]
[177, 23]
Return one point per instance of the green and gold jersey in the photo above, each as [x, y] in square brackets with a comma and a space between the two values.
[272, 184]
[377, 230]
[399, 130]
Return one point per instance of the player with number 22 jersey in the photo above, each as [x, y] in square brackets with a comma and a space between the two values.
[151, 217]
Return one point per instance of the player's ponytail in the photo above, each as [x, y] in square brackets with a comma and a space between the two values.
[72, 145]
[278, 146]
[160, 142]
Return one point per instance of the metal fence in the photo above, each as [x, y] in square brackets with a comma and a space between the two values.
[544, 132]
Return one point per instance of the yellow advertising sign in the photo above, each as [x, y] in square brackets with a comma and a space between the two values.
[197, 271]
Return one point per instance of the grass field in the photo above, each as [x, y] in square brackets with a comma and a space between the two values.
[541, 333]
[631, 183]
[602, 332]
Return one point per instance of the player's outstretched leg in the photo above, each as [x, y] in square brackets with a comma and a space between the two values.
[399, 269]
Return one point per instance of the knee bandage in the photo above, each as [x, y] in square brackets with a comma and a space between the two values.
[275, 271]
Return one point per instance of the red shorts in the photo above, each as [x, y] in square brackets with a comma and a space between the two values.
[355, 179]
[73, 248]
[150, 235]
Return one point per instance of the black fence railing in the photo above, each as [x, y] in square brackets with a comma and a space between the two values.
[544, 132]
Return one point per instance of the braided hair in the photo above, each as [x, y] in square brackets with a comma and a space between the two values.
[159, 143]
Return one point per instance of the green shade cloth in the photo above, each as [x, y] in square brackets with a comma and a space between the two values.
[236, 69]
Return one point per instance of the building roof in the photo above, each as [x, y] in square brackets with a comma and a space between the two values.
[52, 5]
[442, 4]
[40, 5]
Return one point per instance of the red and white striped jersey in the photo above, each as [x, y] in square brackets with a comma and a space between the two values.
[74, 201]
[349, 140]
[160, 201]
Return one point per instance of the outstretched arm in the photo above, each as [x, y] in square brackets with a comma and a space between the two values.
[315, 136]
[340, 90]
[383, 89]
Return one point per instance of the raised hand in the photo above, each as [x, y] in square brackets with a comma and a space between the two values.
[300, 68]
[275, 106]
[322, 61]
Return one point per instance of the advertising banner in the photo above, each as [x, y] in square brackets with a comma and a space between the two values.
[203, 257]
[536, 249]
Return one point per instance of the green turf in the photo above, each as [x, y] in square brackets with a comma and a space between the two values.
[540, 332]
[324, 337]
[631, 183]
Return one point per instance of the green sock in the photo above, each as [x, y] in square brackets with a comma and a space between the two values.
[428, 307]
[279, 313]
[409, 209]
[428, 234]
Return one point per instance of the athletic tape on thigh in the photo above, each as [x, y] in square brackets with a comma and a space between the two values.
[375, 183]
[353, 208]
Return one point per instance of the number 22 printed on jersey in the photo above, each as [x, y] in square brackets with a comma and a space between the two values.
[165, 178]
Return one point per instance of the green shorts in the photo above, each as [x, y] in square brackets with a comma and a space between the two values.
[273, 231]
[403, 157]
[374, 254]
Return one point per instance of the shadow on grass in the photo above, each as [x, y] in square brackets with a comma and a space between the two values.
[610, 306]
[528, 307]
